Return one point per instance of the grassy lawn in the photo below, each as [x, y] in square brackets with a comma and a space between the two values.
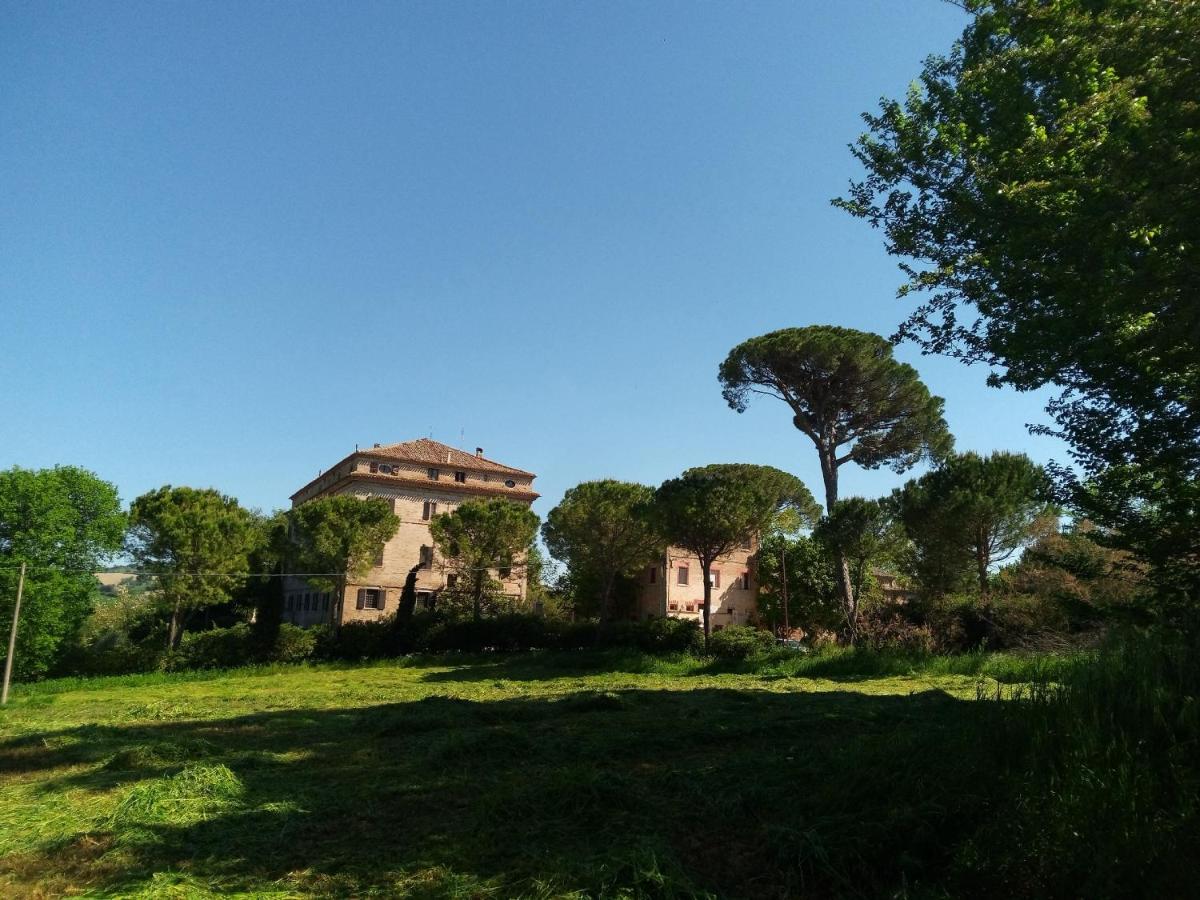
[532, 775]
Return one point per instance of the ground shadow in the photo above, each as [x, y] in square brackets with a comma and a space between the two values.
[635, 792]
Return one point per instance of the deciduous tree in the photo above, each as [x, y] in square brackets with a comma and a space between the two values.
[603, 530]
[62, 522]
[1041, 177]
[846, 392]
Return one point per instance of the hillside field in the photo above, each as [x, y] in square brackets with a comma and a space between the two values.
[592, 774]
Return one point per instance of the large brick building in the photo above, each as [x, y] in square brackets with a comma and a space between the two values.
[674, 586]
[421, 479]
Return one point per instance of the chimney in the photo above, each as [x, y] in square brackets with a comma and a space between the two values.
[479, 452]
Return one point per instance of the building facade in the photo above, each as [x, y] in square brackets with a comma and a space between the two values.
[421, 479]
[674, 586]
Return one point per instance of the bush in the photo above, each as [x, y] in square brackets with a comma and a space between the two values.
[664, 635]
[217, 648]
[293, 644]
[739, 642]
[357, 640]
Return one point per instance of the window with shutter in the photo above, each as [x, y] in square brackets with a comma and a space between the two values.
[381, 599]
[362, 599]
[426, 559]
[681, 576]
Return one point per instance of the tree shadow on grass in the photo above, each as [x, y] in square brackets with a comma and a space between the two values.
[633, 792]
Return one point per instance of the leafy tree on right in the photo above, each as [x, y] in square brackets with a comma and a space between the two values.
[1041, 181]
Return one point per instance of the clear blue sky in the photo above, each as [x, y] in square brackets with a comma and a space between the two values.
[238, 238]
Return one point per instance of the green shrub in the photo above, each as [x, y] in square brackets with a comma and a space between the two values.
[217, 648]
[293, 644]
[357, 640]
[739, 642]
[665, 635]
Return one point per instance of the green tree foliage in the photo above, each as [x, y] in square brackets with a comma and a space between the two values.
[603, 531]
[853, 400]
[62, 522]
[337, 538]
[711, 510]
[1043, 178]
[199, 541]
[482, 536]
[971, 513]
[862, 532]
[813, 600]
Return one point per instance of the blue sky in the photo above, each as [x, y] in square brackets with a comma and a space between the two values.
[236, 239]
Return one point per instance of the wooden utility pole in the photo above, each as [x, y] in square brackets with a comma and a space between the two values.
[12, 638]
[787, 629]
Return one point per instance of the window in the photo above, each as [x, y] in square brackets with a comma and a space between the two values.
[460, 477]
[429, 510]
[505, 571]
[374, 467]
[653, 574]
[425, 598]
[433, 474]
[510, 483]
[745, 581]
[370, 598]
[714, 577]
[426, 560]
[379, 557]
[385, 469]
[674, 607]
[681, 575]
[452, 580]
[691, 607]
[747, 543]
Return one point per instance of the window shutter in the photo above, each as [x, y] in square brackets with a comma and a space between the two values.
[362, 599]
[382, 598]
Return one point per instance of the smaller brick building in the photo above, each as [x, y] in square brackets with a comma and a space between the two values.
[420, 479]
[674, 586]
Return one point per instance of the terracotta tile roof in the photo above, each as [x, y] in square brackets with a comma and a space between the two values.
[434, 453]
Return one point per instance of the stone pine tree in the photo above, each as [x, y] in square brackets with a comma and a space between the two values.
[603, 531]
[198, 541]
[482, 536]
[338, 538]
[711, 510]
[849, 396]
[973, 512]
[862, 532]
[62, 523]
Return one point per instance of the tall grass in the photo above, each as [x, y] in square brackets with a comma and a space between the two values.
[1104, 764]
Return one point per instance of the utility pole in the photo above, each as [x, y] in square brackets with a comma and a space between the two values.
[12, 638]
[787, 630]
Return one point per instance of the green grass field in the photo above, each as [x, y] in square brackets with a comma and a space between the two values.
[592, 774]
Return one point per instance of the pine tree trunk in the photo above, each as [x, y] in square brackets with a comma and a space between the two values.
[829, 473]
[704, 569]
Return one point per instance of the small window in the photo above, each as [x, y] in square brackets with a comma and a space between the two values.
[426, 560]
[374, 467]
[452, 580]
[385, 469]
[510, 483]
[681, 575]
[691, 607]
[714, 577]
[379, 558]
[460, 477]
[747, 543]
[433, 474]
[674, 607]
[429, 510]
[368, 598]
[653, 574]
[425, 598]
[505, 571]
[745, 581]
